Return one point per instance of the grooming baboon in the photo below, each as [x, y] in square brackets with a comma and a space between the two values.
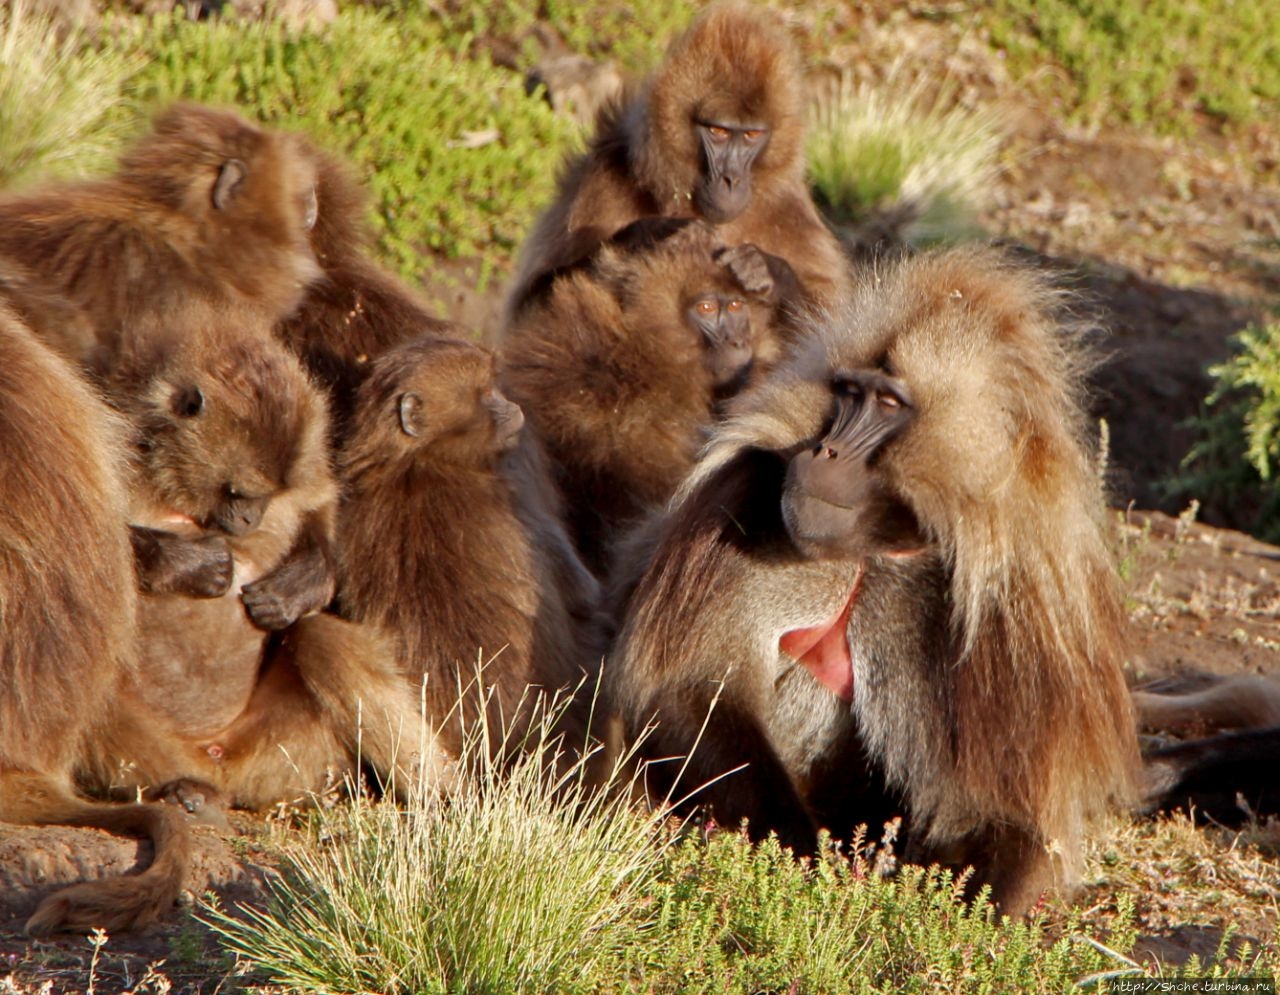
[233, 507]
[356, 310]
[437, 550]
[206, 205]
[717, 133]
[893, 558]
[67, 609]
[621, 367]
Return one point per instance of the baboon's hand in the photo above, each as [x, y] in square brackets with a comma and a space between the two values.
[303, 583]
[750, 267]
[173, 564]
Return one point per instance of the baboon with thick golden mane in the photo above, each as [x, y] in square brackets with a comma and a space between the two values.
[890, 574]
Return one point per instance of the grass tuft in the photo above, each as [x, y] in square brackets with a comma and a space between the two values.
[523, 880]
[891, 156]
[57, 98]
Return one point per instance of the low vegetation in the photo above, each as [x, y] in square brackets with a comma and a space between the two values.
[1157, 65]
[57, 97]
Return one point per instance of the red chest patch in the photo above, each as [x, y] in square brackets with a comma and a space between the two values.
[823, 649]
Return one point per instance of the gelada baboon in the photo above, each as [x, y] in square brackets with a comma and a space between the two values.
[717, 133]
[621, 368]
[356, 310]
[233, 510]
[1244, 701]
[204, 205]
[1228, 777]
[67, 609]
[436, 550]
[890, 570]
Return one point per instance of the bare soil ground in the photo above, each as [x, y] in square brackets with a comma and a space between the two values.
[1175, 245]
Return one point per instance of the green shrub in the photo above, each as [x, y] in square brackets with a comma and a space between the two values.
[888, 155]
[57, 95]
[1231, 467]
[1150, 63]
[457, 156]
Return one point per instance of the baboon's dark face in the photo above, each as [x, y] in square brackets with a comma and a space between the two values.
[729, 149]
[836, 502]
[723, 323]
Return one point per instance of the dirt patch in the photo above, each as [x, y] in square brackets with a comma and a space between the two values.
[34, 862]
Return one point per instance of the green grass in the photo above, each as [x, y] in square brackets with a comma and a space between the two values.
[1154, 64]
[920, 164]
[523, 881]
[57, 95]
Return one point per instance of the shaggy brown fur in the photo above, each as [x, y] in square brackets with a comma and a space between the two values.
[982, 646]
[613, 377]
[233, 485]
[732, 65]
[205, 205]
[67, 608]
[436, 550]
[356, 310]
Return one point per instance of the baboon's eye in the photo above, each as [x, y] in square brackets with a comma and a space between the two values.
[717, 133]
[753, 134]
[187, 401]
[706, 306]
[736, 305]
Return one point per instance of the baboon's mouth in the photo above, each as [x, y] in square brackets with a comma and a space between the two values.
[823, 649]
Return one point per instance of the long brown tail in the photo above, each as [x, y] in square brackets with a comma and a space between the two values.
[120, 903]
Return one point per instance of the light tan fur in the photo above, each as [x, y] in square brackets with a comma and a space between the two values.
[1243, 701]
[219, 700]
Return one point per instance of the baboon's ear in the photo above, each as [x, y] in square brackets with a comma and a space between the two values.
[230, 176]
[411, 415]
